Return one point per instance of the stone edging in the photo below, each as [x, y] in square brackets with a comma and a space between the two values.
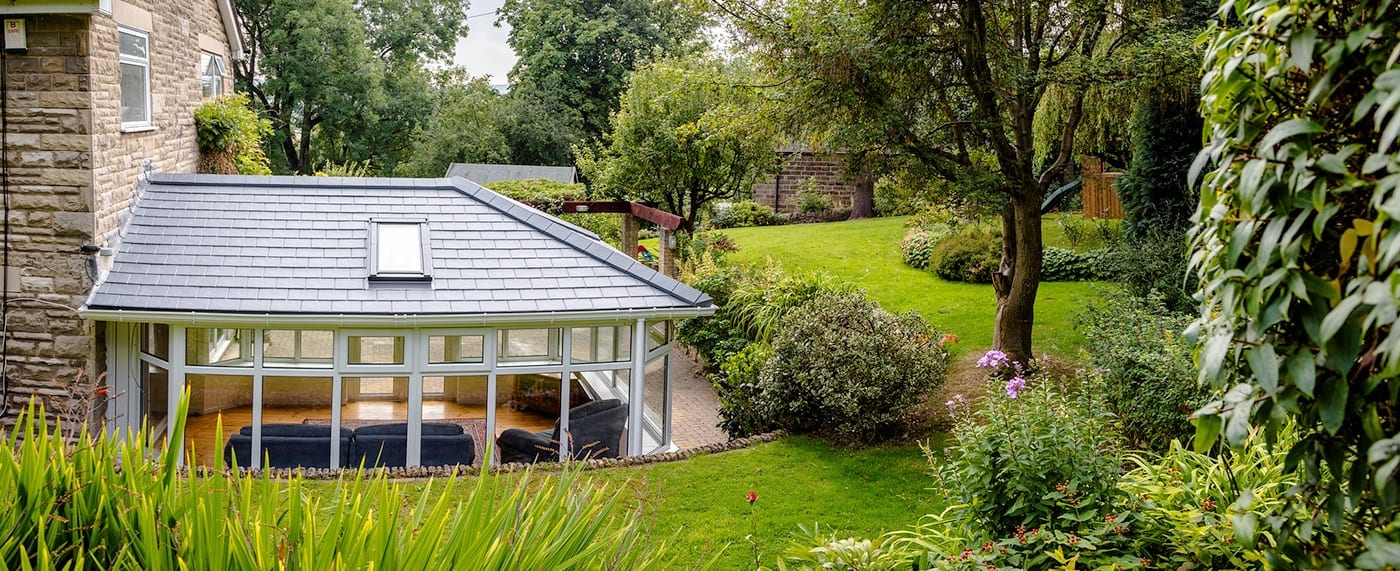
[445, 471]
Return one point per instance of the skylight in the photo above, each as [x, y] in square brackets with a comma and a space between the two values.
[398, 250]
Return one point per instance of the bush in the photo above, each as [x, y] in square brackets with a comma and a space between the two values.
[931, 216]
[1156, 261]
[229, 135]
[1152, 385]
[1037, 455]
[902, 194]
[549, 196]
[1069, 266]
[844, 369]
[737, 387]
[743, 214]
[971, 255]
[104, 503]
[918, 243]
[810, 200]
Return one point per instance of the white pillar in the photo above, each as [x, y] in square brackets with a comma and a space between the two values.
[256, 453]
[636, 399]
[175, 389]
[566, 348]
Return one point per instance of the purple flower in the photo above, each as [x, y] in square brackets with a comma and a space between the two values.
[952, 406]
[993, 359]
[1015, 386]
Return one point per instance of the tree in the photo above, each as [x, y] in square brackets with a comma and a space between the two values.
[1297, 245]
[943, 87]
[466, 127]
[683, 137]
[575, 55]
[346, 72]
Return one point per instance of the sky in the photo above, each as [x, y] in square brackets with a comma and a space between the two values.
[484, 50]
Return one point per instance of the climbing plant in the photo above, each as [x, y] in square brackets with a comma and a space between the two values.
[230, 136]
[1297, 246]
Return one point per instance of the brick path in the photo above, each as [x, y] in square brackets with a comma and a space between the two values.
[694, 407]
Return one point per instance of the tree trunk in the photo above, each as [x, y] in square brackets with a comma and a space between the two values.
[1018, 280]
[863, 202]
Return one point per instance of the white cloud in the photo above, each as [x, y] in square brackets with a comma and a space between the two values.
[484, 50]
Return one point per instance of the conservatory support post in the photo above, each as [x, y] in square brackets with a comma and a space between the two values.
[636, 400]
[175, 389]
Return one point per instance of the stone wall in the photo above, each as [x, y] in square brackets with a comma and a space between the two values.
[780, 190]
[73, 170]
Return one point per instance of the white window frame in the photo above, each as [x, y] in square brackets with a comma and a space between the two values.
[424, 250]
[216, 81]
[145, 63]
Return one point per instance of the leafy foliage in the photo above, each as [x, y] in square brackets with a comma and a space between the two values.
[918, 244]
[1150, 381]
[970, 255]
[1070, 266]
[575, 56]
[683, 137]
[1296, 247]
[229, 135]
[737, 385]
[1155, 263]
[102, 504]
[1189, 502]
[1166, 137]
[743, 213]
[811, 200]
[467, 126]
[549, 195]
[1039, 458]
[844, 369]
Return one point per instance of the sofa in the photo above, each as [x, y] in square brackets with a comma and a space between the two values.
[288, 446]
[595, 431]
[382, 445]
[444, 444]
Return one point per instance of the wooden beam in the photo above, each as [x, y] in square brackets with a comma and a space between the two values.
[658, 217]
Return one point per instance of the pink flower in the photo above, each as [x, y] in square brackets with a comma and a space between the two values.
[751, 497]
[1015, 386]
[993, 359]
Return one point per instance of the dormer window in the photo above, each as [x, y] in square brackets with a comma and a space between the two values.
[398, 251]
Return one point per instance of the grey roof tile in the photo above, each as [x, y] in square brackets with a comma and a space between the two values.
[299, 245]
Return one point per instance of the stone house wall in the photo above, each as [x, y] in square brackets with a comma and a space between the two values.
[780, 189]
[73, 170]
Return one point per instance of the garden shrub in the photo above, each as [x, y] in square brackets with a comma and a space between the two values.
[1156, 261]
[743, 214]
[918, 243]
[972, 254]
[736, 384]
[1037, 453]
[844, 369]
[1151, 380]
[1061, 265]
[810, 200]
[902, 194]
[229, 135]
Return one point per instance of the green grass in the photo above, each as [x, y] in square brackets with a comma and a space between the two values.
[866, 253]
[697, 506]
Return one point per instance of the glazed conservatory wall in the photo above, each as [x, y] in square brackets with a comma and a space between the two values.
[507, 372]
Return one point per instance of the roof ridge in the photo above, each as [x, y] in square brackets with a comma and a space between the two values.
[563, 232]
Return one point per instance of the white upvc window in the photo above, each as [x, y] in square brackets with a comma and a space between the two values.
[211, 75]
[135, 50]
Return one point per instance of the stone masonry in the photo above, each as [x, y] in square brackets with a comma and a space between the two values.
[780, 189]
[73, 169]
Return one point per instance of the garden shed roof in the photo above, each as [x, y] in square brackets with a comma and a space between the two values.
[302, 245]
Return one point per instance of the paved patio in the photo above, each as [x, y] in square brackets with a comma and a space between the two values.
[694, 406]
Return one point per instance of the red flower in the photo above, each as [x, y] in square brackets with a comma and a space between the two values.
[102, 390]
[752, 497]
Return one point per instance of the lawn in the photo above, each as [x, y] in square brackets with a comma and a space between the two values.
[866, 253]
[697, 506]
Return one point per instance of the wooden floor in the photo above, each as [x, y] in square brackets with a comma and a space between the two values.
[202, 438]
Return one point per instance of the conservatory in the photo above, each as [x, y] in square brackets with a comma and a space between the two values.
[339, 322]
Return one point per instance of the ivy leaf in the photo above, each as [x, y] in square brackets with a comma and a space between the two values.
[1333, 400]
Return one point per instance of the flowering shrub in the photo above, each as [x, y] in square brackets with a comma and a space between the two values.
[918, 243]
[971, 254]
[1038, 451]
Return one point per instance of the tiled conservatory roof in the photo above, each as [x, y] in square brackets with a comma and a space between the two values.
[299, 245]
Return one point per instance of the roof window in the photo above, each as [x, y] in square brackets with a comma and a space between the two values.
[399, 251]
